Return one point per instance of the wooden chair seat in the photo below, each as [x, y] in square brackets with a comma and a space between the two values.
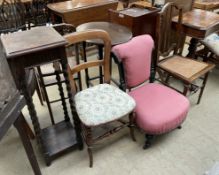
[185, 69]
[104, 102]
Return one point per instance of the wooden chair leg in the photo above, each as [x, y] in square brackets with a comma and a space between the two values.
[148, 140]
[88, 138]
[131, 126]
[186, 89]
[39, 94]
[167, 79]
[26, 143]
[160, 73]
[90, 156]
[202, 88]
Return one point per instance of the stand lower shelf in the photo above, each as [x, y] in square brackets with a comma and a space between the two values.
[58, 139]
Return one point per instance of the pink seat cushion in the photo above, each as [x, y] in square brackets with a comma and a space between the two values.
[136, 58]
[159, 109]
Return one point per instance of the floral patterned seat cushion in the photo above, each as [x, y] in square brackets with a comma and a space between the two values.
[212, 42]
[102, 103]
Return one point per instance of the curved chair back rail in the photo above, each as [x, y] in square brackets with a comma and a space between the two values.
[78, 37]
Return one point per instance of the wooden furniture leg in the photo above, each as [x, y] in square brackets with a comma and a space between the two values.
[192, 48]
[28, 129]
[202, 87]
[19, 125]
[73, 111]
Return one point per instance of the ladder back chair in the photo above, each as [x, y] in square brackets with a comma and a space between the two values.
[169, 63]
[159, 109]
[12, 16]
[103, 104]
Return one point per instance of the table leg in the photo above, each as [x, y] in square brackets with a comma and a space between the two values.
[28, 130]
[32, 112]
[27, 144]
[61, 93]
[73, 110]
[192, 47]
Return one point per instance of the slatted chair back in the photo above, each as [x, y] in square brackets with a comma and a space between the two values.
[186, 5]
[38, 13]
[78, 37]
[168, 39]
[12, 16]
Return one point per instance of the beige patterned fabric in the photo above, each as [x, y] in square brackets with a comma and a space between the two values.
[102, 103]
[212, 42]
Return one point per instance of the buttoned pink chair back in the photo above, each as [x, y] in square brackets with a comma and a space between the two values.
[136, 58]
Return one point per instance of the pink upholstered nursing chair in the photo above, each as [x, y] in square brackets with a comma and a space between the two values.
[159, 109]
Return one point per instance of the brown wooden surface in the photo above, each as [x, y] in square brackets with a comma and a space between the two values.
[34, 52]
[184, 68]
[139, 20]
[206, 4]
[118, 33]
[81, 11]
[23, 1]
[199, 23]
[31, 41]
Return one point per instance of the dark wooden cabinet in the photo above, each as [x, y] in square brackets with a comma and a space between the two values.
[139, 20]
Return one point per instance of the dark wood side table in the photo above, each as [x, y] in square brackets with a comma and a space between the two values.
[118, 34]
[11, 104]
[198, 24]
[36, 47]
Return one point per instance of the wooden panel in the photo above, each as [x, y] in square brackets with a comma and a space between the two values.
[58, 138]
[185, 68]
[206, 4]
[85, 11]
[199, 23]
[139, 20]
[35, 39]
[89, 14]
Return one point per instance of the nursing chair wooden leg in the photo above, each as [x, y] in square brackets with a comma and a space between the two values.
[131, 126]
[148, 140]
